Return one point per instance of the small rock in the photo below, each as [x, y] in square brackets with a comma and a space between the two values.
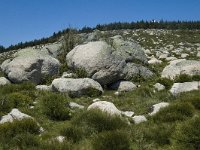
[67, 75]
[75, 105]
[15, 114]
[157, 107]
[154, 61]
[60, 139]
[4, 81]
[184, 55]
[31, 107]
[44, 87]
[123, 86]
[105, 106]
[96, 99]
[139, 119]
[128, 113]
[159, 87]
[117, 93]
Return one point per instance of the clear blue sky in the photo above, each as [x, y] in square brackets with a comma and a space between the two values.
[24, 20]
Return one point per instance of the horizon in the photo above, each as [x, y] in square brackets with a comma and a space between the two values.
[28, 20]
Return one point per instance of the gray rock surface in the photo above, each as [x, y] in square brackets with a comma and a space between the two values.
[123, 86]
[181, 66]
[178, 88]
[43, 88]
[107, 64]
[127, 113]
[105, 106]
[4, 81]
[156, 108]
[15, 114]
[159, 87]
[76, 87]
[75, 105]
[30, 65]
[139, 119]
[154, 61]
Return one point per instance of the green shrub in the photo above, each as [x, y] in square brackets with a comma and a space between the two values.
[158, 133]
[196, 77]
[96, 121]
[10, 130]
[55, 106]
[112, 140]
[25, 141]
[166, 82]
[144, 91]
[81, 73]
[187, 134]
[18, 99]
[73, 133]
[91, 92]
[5, 105]
[174, 112]
[10, 88]
[183, 78]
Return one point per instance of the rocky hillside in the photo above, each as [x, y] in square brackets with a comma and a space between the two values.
[123, 89]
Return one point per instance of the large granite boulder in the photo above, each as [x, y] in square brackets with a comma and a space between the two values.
[108, 63]
[77, 87]
[178, 88]
[181, 66]
[30, 65]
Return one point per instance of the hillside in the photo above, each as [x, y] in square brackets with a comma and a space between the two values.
[114, 89]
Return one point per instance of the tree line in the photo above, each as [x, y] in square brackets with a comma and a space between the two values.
[170, 25]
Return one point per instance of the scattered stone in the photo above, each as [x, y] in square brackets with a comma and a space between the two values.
[170, 58]
[178, 88]
[159, 87]
[154, 61]
[96, 99]
[68, 75]
[44, 88]
[15, 114]
[117, 93]
[184, 55]
[105, 106]
[60, 139]
[4, 81]
[123, 86]
[139, 119]
[156, 108]
[163, 56]
[75, 105]
[77, 87]
[198, 54]
[128, 113]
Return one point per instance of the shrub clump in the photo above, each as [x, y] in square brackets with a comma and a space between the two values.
[166, 82]
[10, 130]
[55, 106]
[18, 99]
[98, 121]
[174, 112]
[112, 140]
[187, 135]
[91, 122]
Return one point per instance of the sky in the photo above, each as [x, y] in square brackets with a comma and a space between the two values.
[25, 20]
